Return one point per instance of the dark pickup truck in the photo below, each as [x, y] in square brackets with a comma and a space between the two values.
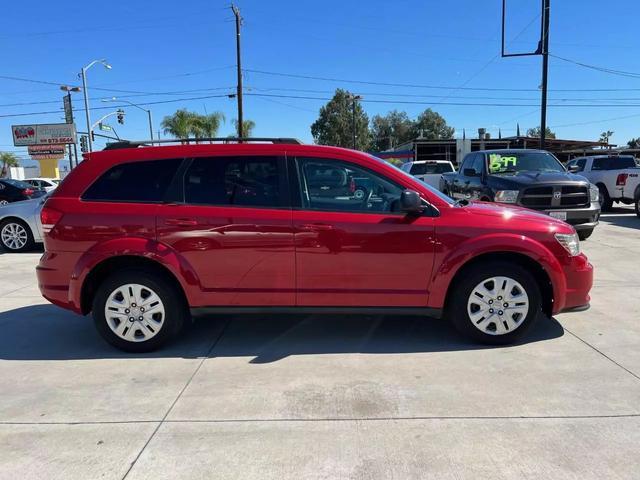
[529, 178]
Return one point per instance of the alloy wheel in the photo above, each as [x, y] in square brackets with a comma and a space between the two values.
[134, 312]
[14, 236]
[498, 305]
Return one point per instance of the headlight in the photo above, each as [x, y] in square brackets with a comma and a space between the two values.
[570, 242]
[507, 196]
[594, 193]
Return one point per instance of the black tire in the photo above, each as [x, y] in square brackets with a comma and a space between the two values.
[457, 304]
[637, 205]
[30, 243]
[605, 201]
[174, 307]
[584, 234]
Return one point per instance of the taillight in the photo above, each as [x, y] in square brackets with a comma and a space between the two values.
[49, 217]
[352, 185]
[621, 181]
[27, 191]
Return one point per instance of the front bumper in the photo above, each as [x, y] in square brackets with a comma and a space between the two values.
[578, 273]
[585, 218]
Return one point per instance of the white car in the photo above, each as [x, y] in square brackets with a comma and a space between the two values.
[46, 184]
[429, 171]
[617, 177]
[20, 227]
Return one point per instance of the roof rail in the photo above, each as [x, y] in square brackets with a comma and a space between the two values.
[149, 143]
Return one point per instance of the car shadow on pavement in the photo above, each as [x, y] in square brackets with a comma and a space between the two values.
[621, 218]
[46, 332]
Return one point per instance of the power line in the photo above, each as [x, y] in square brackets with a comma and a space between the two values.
[621, 73]
[440, 87]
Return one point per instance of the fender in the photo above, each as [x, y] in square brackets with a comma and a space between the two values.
[444, 273]
[147, 248]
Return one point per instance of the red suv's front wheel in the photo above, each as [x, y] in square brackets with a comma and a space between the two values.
[495, 302]
[137, 311]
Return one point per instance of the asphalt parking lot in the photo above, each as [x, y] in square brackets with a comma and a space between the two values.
[273, 397]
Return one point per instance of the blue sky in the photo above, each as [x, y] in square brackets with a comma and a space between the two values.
[166, 50]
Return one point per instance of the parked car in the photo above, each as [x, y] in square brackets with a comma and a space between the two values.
[20, 226]
[46, 184]
[530, 178]
[237, 228]
[429, 171]
[15, 190]
[617, 177]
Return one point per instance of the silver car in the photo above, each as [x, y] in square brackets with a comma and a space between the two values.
[20, 227]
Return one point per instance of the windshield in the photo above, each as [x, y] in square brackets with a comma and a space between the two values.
[437, 193]
[517, 162]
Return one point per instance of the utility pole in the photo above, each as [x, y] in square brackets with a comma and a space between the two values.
[354, 98]
[545, 70]
[236, 12]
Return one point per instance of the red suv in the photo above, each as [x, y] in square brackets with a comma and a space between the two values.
[144, 236]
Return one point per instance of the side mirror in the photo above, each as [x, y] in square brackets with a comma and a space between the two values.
[410, 202]
[470, 172]
[574, 169]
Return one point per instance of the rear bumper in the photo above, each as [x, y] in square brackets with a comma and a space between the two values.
[581, 218]
[579, 277]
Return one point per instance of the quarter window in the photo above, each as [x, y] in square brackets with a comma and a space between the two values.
[144, 182]
[239, 181]
[332, 185]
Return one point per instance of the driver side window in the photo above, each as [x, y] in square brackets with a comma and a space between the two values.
[333, 185]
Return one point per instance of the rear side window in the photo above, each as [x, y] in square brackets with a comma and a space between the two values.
[144, 182]
[238, 181]
[613, 163]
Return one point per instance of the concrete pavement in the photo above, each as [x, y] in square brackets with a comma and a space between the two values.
[327, 397]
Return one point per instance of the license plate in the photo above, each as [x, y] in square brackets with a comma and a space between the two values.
[559, 215]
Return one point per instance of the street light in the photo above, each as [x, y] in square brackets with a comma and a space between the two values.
[116, 99]
[83, 75]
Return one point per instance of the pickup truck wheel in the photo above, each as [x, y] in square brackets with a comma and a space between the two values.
[605, 201]
[495, 303]
[137, 311]
[637, 205]
[584, 234]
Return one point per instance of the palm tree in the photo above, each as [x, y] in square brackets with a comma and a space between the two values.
[605, 136]
[8, 159]
[247, 127]
[180, 124]
[210, 124]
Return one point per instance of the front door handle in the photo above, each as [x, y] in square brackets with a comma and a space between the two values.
[181, 222]
[316, 227]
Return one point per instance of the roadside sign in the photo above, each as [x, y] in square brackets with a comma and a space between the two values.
[43, 134]
[104, 127]
[45, 152]
[68, 111]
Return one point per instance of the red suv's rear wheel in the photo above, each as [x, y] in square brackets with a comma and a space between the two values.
[137, 311]
[495, 302]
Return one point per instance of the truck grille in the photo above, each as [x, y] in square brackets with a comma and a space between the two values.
[555, 197]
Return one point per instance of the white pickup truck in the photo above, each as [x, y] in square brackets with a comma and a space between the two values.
[429, 171]
[617, 178]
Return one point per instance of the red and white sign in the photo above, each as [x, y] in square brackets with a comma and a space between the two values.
[46, 152]
[43, 134]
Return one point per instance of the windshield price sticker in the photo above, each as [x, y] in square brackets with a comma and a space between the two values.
[498, 163]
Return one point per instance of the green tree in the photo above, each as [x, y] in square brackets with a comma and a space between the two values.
[334, 125]
[431, 126]
[247, 127]
[206, 126]
[634, 143]
[605, 136]
[389, 130]
[180, 124]
[8, 159]
[535, 132]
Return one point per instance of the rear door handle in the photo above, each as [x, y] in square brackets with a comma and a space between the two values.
[181, 222]
[316, 227]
